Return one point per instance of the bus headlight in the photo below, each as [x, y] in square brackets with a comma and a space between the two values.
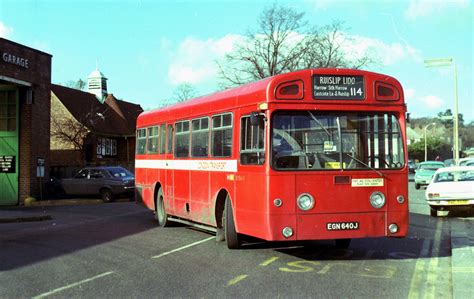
[393, 228]
[377, 199]
[305, 202]
[277, 202]
[400, 199]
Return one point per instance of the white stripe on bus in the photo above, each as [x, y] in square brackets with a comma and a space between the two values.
[203, 165]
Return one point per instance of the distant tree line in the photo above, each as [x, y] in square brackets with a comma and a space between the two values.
[437, 145]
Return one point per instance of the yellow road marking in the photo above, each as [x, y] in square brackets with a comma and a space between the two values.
[417, 279]
[433, 270]
[236, 280]
[269, 261]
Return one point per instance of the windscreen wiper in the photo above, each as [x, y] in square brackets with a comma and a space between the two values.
[366, 165]
[319, 123]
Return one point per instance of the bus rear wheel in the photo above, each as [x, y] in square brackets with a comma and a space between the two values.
[232, 238]
[161, 215]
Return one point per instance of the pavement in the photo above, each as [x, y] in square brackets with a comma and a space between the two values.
[33, 212]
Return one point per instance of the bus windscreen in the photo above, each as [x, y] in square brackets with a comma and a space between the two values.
[304, 140]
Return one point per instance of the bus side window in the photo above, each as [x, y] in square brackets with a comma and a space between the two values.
[221, 135]
[170, 140]
[162, 138]
[152, 141]
[200, 137]
[252, 142]
[141, 141]
[181, 139]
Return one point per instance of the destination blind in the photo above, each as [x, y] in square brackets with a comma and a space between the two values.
[335, 87]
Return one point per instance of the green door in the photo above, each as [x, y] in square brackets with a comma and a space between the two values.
[9, 157]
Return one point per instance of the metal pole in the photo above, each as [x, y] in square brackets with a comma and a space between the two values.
[426, 147]
[456, 118]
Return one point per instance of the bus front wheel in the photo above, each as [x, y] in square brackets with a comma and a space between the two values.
[231, 236]
[161, 215]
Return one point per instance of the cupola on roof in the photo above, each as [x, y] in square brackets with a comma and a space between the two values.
[96, 74]
[97, 84]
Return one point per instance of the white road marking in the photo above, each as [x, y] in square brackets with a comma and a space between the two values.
[72, 285]
[181, 248]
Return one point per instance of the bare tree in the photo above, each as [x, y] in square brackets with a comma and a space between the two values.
[76, 84]
[284, 42]
[183, 92]
[74, 132]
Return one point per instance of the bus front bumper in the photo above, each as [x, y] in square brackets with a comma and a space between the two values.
[340, 226]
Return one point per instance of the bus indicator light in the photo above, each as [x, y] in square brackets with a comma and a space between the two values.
[262, 106]
[393, 228]
[287, 232]
[277, 202]
[400, 199]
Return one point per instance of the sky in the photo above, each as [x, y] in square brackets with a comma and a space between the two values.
[147, 48]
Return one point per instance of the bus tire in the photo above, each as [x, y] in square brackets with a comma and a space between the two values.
[343, 243]
[231, 236]
[161, 215]
[417, 186]
[433, 212]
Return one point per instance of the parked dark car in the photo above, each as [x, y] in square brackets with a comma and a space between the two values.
[108, 182]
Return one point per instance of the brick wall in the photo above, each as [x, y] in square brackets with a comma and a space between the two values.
[34, 118]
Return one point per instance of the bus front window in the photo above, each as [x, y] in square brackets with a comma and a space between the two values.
[304, 140]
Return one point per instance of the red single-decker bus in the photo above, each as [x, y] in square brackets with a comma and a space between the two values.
[308, 155]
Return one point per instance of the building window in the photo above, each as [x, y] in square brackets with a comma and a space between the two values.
[106, 147]
[8, 110]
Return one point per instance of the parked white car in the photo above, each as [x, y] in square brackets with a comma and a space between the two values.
[451, 188]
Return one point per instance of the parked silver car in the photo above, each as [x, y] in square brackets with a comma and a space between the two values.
[107, 182]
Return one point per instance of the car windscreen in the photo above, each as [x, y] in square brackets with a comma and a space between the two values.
[431, 166]
[118, 172]
[454, 176]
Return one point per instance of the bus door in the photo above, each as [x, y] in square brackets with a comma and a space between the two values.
[181, 168]
[169, 172]
[251, 185]
[200, 173]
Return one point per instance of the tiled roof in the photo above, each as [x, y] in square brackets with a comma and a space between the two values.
[114, 117]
